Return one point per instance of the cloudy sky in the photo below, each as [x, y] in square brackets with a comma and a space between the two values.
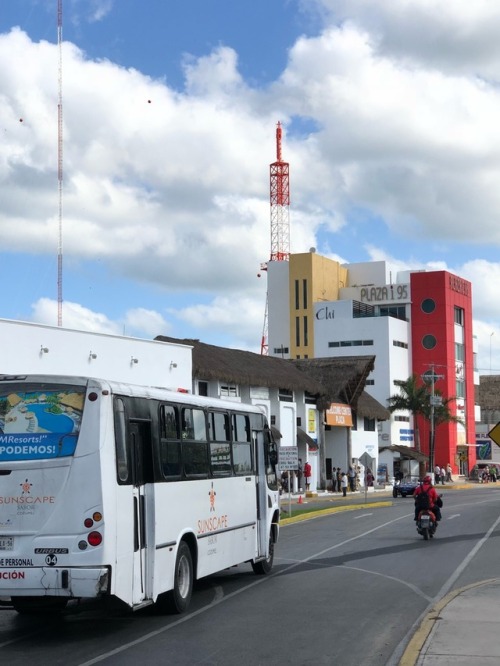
[391, 127]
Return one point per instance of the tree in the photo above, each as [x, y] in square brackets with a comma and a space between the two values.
[413, 397]
[440, 414]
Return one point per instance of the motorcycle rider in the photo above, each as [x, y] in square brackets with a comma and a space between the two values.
[434, 498]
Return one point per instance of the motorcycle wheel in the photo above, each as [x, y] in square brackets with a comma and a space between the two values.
[425, 533]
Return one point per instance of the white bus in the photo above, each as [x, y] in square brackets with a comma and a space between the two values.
[109, 490]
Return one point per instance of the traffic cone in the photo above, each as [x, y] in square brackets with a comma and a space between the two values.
[300, 499]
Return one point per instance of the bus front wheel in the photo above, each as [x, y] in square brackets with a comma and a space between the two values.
[263, 567]
[177, 600]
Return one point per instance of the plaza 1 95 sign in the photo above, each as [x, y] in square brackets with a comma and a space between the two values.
[388, 292]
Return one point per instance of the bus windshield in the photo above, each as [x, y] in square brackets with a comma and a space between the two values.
[39, 421]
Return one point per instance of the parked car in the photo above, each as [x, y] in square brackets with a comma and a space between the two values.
[404, 487]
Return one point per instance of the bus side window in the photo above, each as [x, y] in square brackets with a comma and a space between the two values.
[271, 454]
[194, 442]
[220, 446]
[242, 450]
[170, 445]
[122, 452]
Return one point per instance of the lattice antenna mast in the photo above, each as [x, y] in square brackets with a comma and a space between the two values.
[280, 221]
[59, 166]
[280, 204]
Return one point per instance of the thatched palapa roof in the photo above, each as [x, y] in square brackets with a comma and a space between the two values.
[343, 379]
[244, 367]
[371, 408]
[328, 379]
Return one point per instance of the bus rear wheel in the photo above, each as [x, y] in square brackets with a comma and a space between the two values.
[264, 567]
[177, 600]
[38, 605]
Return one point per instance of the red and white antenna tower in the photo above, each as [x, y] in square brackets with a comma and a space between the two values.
[279, 172]
[59, 164]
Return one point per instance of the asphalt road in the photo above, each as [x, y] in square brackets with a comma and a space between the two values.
[348, 587]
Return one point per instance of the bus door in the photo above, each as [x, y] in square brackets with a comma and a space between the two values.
[142, 476]
[260, 476]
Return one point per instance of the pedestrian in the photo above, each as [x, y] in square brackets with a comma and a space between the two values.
[493, 473]
[299, 474]
[443, 475]
[307, 474]
[351, 473]
[339, 480]
[448, 474]
[437, 474]
[343, 483]
[369, 478]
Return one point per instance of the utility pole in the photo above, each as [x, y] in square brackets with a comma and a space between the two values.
[435, 401]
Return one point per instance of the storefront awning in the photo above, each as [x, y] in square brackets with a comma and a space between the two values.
[406, 453]
[304, 438]
[276, 433]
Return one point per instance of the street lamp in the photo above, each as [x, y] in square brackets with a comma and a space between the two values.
[491, 335]
[434, 401]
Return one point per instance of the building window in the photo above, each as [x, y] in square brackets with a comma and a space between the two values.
[351, 343]
[396, 311]
[285, 395]
[360, 310]
[297, 331]
[370, 382]
[202, 388]
[281, 350]
[306, 335]
[369, 424]
[304, 293]
[398, 343]
[459, 316]
[459, 352]
[406, 419]
[354, 420]
[460, 388]
[228, 391]
[309, 398]
[297, 303]
[428, 305]
[429, 341]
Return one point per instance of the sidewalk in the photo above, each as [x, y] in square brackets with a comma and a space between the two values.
[462, 629]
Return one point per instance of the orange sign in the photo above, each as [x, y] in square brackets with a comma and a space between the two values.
[338, 414]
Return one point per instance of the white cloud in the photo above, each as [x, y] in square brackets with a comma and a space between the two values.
[91, 11]
[75, 316]
[172, 189]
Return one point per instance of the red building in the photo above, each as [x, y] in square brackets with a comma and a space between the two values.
[442, 347]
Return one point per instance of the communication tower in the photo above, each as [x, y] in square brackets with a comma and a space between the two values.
[279, 176]
[59, 163]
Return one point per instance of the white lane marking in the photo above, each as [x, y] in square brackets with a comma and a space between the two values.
[259, 581]
[414, 588]
[454, 515]
[398, 652]
[362, 515]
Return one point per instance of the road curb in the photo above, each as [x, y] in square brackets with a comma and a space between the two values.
[417, 642]
[335, 509]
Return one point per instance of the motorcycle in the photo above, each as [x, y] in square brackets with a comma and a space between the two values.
[426, 524]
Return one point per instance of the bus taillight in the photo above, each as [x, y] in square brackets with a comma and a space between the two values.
[94, 538]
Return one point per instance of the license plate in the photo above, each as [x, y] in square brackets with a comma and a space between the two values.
[6, 543]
